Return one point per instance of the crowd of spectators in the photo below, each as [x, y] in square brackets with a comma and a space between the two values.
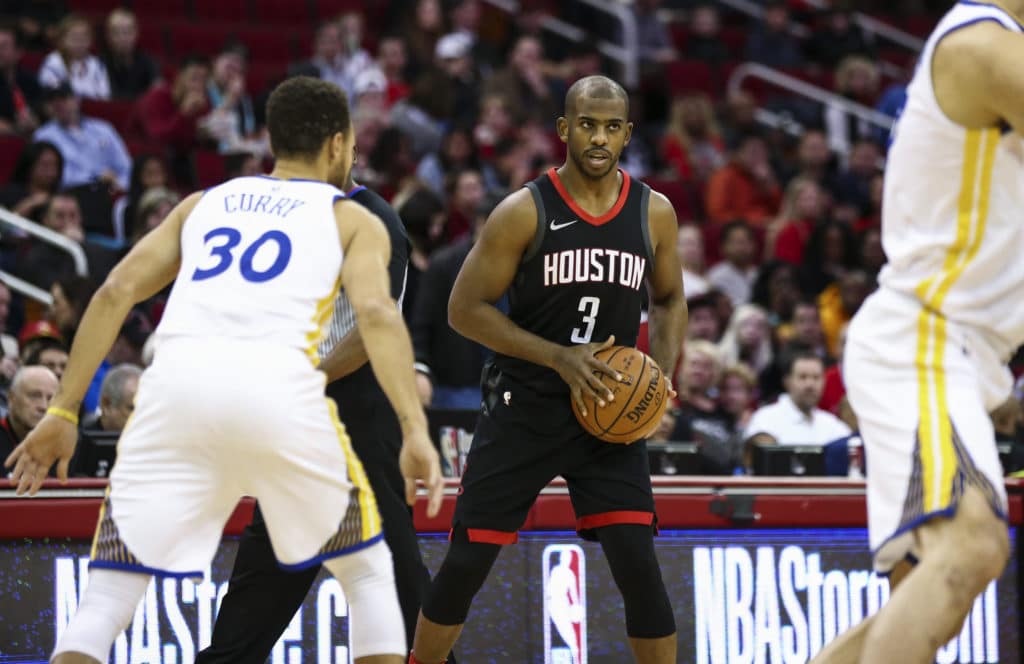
[453, 104]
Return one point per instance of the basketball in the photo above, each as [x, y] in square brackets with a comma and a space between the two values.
[640, 399]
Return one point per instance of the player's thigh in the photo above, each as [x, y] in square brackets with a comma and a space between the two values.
[610, 484]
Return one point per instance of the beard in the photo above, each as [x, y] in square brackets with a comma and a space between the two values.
[580, 160]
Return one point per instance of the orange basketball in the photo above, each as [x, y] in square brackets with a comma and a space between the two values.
[640, 399]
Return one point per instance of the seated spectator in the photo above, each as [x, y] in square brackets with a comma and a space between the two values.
[71, 296]
[236, 122]
[31, 391]
[421, 28]
[370, 91]
[736, 272]
[326, 62]
[392, 59]
[872, 254]
[448, 365]
[131, 72]
[770, 43]
[117, 399]
[36, 178]
[745, 188]
[699, 418]
[691, 145]
[511, 167]
[354, 57]
[524, 83]
[92, 149]
[495, 124]
[149, 171]
[424, 218]
[19, 89]
[170, 113]
[748, 339]
[49, 353]
[153, 208]
[690, 250]
[853, 186]
[839, 302]
[652, 34]
[814, 160]
[72, 64]
[423, 115]
[389, 163]
[36, 20]
[454, 57]
[737, 395]
[805, 329]
[704, 42]
[857, 81]
[831, 252]
[795, 419]
[776, 291]
[839, 38]
[738, 117]
[465, 194]
[803, 208]
[43, 264]
[457, 153]
[834, 393]
[703, 321]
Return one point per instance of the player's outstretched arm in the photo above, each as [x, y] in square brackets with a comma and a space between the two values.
[147, 268]
[487, 274]
[364, 275]
[668, 316]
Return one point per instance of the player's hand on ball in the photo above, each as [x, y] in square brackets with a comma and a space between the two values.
[53, 439]
[419, 460]
[579, 368]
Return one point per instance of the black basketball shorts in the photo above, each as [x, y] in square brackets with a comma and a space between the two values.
[522, 441]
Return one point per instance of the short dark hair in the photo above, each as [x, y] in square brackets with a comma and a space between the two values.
[302, 113]
[794, 354]
[40, 346]
[594, 87]
[733, 226]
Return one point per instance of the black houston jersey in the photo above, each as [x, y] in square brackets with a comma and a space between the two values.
[582, 278]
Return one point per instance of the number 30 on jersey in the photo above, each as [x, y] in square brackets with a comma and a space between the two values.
[224, 253]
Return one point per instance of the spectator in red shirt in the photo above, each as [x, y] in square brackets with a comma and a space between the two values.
[170, 113]
[466, 193]
[746, 188]
[692, 146]
[802, 209]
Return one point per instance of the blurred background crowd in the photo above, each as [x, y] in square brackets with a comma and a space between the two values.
[764, 122]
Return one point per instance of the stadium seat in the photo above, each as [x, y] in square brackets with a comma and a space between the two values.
[690, 76]
[282, 12]
[150, 10]
[262, 75]
[331, 8]
[10, 150]
[153, 39]
[224, 11]
[202, 38]
[209, 168]
[96, 6]
[267, 44]
[678, 193]
[119, 113]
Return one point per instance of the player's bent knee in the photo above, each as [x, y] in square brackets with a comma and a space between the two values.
[634, 566]
[106, 610]
[368, 579]
[463, 572]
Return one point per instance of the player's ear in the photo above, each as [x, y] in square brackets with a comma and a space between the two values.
[338, 146]
[562, 126]
[629, 133]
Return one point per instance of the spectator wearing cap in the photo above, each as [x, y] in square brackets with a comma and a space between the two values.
[36, 333]
[448, 365]
[72, 63]
[117, 399]
[49, 353]
[131, 72]
[370, 91]
[453, 55]
[92, 149]
[19, 89]
[29, 396]
[235, 122]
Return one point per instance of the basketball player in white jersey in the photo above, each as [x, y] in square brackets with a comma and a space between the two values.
[233, 403]
[925, 356]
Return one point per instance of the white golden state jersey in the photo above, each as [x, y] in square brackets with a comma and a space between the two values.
[952, 224]
[260, 260]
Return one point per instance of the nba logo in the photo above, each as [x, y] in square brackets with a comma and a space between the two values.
[565, 604]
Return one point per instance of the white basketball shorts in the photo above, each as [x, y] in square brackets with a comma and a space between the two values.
[216, 420]
[922, 387]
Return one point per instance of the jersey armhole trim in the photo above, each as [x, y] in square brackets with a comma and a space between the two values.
[935, 47]
[645, 228]
[538, 236]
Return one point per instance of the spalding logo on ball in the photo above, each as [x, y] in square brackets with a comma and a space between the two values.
[640, 398]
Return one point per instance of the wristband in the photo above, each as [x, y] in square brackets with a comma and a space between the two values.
[63, 414]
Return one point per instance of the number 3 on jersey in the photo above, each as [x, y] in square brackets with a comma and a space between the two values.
[231, 239]
[588, 307]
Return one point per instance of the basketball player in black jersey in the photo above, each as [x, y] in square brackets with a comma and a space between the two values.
[573, 249]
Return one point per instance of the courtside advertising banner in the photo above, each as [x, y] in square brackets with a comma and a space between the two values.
[764, 596]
